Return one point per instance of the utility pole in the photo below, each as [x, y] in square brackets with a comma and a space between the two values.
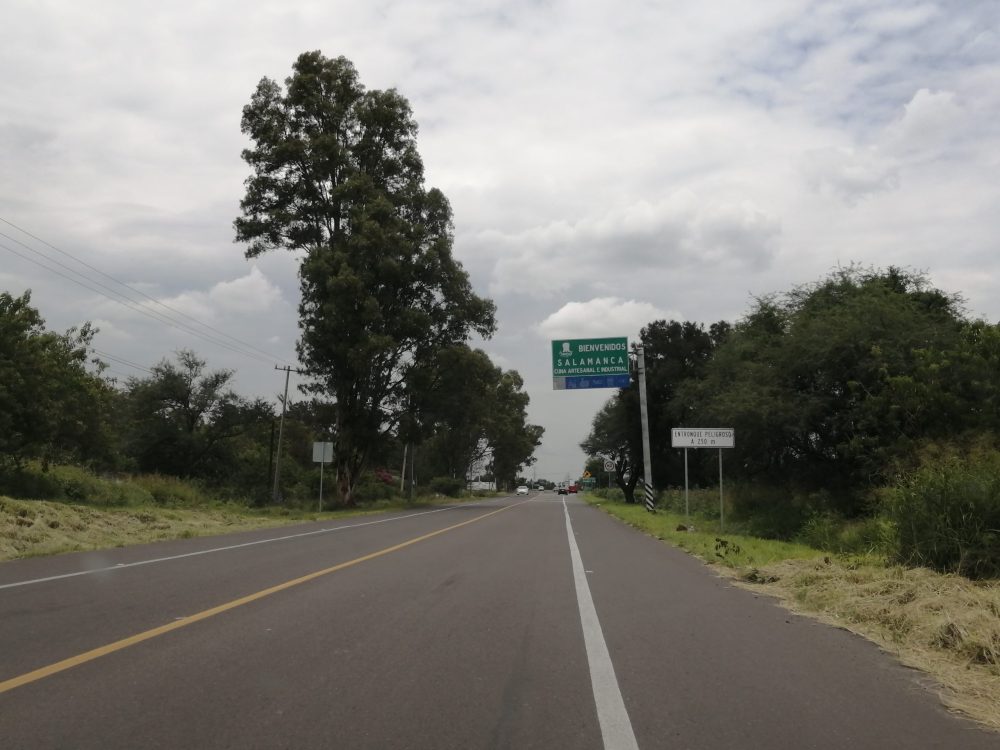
[413, 455]
[281, 429]
[402, 474]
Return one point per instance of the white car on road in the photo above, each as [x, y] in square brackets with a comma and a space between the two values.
[522, 490]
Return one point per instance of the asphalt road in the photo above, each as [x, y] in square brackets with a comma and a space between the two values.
[480, 626]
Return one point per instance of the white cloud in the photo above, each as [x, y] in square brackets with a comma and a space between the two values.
[849, 173]
[193, 304]
[601, 316]
[684, 230]
[109, 330]
[251, 293]
[932, 121]
[900, 19]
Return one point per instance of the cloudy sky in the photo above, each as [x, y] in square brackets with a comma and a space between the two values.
[609, 163]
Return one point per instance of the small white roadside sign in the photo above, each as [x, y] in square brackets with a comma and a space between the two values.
[322, 453]
[702, 437]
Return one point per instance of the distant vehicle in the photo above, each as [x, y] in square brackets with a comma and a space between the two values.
[572, 489]
[539, 487]
[563, 490]
[522, 490]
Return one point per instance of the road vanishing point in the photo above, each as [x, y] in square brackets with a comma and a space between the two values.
[508, 623]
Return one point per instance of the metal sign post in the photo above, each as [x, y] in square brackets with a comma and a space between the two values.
[687, 506]
[722, 507]
[322, 455]
[701, 437]
[647, 466]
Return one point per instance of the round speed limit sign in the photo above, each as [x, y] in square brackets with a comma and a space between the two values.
[609, 465]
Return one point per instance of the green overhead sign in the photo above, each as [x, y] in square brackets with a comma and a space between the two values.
[590, 363]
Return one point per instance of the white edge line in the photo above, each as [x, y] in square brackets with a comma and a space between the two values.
[123, 566]
[616, 728]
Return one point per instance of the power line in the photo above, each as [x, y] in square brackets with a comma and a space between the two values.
[175, 323]
[120, 360]
[132, 289]
[128, 302]
[117, 374]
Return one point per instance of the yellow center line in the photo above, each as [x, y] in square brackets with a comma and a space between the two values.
[97, 653]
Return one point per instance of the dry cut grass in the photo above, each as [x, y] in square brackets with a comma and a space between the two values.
[30, 528]
[944, 625]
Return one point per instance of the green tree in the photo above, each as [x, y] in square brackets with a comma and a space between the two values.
[336, 176]
[675, 353]
[511, 439]
[451, 400]
[823, 384]
[51, 405]
[185, 419]
[612, 437]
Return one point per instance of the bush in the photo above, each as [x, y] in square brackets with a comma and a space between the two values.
[171, 491]
[371, 488]
[450, 486]
[69, 483]
[769, 512]
[829, 532]
[946, 514]
[30, 483]
[701, 503]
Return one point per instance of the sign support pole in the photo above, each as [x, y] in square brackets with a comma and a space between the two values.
[647, 468]
[321, 465]
[687, 508]
[702, 437]
[722, 507]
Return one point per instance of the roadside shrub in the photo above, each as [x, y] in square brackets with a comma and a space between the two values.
[30, 483]
[371, 489]
[832, 533]
[70, 484]
[170, 491]
[613, 494]
[946, 515]
[768, 512]
[702, 503]
[450, 486]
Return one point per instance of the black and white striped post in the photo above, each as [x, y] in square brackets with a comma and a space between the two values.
[648, 492]
[647, 465]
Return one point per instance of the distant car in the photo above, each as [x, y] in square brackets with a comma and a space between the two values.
[563, 490]
[572, 489]
[522, 490]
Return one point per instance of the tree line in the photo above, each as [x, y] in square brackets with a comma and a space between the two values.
[386, 317]
[59, 405]
[837, 391]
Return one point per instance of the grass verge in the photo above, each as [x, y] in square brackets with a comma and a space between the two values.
[944, 625]
[31, 528]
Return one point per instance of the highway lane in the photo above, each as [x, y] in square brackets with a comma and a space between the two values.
[471, 638]
[113, 603]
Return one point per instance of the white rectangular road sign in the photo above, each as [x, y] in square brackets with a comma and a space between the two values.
[702, 437]
[322, 453]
